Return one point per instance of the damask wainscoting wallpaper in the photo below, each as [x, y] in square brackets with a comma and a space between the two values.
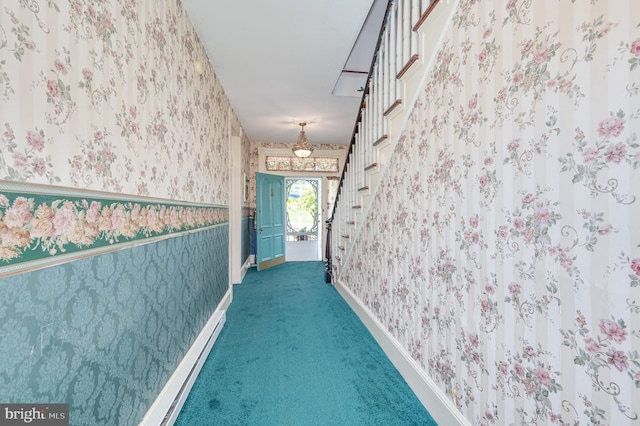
[104, 334]
[503, 247]
[101, 96]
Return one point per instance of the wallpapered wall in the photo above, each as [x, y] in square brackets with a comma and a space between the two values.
[503, 247]
[104, 334]
[103, 95]
[247, 170]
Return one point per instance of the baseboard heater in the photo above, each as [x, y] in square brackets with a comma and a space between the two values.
[169, 402]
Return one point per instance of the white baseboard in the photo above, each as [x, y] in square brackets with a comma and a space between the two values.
[247, 264]
[167, 406]
[226, 300]
[441, 408]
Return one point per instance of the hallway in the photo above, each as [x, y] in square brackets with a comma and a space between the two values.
[483, 215]
[292, 352]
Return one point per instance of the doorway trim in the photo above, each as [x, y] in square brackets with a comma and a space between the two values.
[324, 209]
[236, 271]
[303, 251]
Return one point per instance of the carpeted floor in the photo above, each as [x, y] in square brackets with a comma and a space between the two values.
[292, 352]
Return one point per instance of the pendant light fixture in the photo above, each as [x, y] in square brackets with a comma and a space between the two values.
[302, 148]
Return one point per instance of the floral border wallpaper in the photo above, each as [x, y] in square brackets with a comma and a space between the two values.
[34, 226]
[254, 159]
[103, 95]
[308, 164]
[502, 249]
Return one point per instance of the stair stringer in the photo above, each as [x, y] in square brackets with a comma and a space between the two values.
[434, 28]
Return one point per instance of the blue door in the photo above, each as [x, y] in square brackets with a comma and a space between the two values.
[270, 223]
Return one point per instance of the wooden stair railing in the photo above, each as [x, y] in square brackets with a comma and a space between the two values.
[395, 53]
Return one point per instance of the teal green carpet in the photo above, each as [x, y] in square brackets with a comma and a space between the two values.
[292, 352]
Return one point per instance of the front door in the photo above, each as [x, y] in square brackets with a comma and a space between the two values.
[270, 222]
[303, 230]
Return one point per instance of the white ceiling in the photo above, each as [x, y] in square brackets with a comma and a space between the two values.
[280, 62]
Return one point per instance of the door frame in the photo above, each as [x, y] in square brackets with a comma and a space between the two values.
[301, 244]
[236, 271]
[325, 210]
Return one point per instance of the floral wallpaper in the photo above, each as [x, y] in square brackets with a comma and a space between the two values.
[246, 172]
[103, 95]
[502, 249]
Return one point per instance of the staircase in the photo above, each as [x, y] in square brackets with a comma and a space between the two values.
[408, 41]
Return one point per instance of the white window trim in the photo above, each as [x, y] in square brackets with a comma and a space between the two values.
[263, 153]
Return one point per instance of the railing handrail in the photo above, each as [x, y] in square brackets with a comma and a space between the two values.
[396, 51]
[365, 92]
[402, 64]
